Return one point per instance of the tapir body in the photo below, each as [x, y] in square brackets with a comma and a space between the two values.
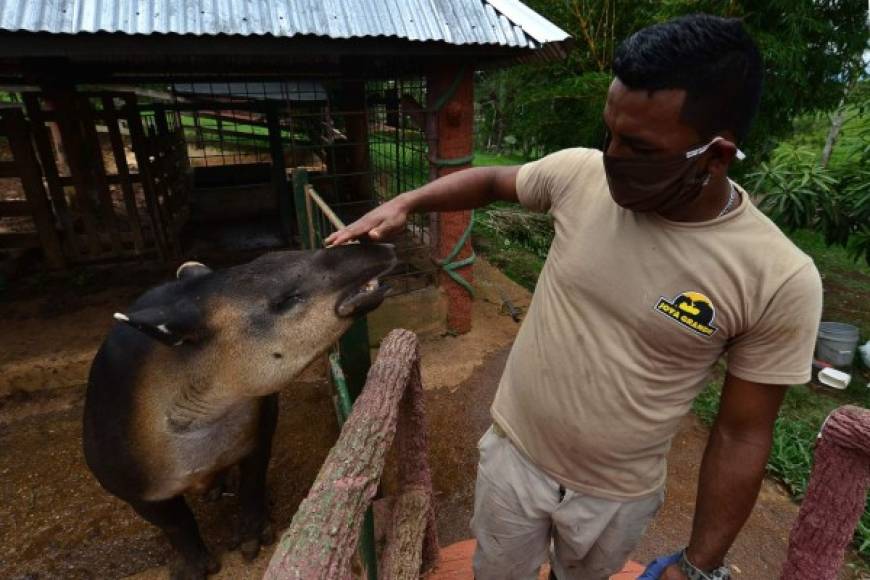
[184, 387]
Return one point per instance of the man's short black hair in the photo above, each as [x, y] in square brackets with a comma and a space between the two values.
[713, 59]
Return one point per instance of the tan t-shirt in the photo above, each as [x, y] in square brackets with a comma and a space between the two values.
[630, 313]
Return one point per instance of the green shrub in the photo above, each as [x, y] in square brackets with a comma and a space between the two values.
[798, 192]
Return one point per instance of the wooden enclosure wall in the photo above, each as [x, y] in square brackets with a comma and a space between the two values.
[24, 166]
[114, 182]
[162, 150]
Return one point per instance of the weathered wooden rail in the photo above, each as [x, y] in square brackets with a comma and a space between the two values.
[835, 497]
[325, 531]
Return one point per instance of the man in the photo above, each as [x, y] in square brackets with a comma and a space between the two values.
[660, 265]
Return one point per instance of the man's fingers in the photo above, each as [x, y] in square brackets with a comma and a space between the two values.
[341, 237]
[351, 232]
[337, 238]
[376, 227]
[333, 238]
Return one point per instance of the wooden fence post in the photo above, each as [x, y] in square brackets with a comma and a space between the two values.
[43, 137]
[27, 164]
[143, 162]
[279, 172]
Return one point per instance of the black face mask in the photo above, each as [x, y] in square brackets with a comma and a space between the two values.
[657, 184]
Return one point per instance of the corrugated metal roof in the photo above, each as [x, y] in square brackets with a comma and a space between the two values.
[508, 23]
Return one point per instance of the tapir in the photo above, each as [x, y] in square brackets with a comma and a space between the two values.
[184, 387]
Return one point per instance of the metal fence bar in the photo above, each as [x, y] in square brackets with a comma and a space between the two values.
[300, 180]
[343, 407]
[327, 211]
[353, 346]
[352, 350]
[343, 403]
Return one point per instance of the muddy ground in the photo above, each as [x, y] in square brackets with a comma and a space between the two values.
[56, 522]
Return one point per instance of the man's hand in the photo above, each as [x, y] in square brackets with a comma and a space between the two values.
[664, 568]
[383, 222]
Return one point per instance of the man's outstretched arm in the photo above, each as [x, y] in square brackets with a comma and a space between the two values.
[732, 469]
[468, 189]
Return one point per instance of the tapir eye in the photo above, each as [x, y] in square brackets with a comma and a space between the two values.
[286, 302]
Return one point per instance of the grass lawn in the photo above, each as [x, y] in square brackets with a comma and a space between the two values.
[482, 158]
[846, 282]
[847, 299]
[236, 133]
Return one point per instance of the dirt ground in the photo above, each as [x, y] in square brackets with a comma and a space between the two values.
[58, 522]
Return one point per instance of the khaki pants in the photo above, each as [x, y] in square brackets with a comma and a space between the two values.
[521, 514]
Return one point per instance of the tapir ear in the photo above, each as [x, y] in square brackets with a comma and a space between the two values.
[172, 325]
[191, 270]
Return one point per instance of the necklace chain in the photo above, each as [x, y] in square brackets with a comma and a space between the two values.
[732, 197]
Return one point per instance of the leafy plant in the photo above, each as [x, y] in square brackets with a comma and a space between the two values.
[798, 192]
[515, 226]
[855, 195]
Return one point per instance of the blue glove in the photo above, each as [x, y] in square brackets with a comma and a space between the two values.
[657, 566]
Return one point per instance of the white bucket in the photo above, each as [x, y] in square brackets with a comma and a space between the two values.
[836, 343]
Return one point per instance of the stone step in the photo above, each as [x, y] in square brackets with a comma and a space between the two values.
[455, 564]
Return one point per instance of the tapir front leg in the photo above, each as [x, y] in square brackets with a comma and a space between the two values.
[255, 529]
[192, 560]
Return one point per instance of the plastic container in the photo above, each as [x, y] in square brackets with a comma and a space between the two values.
[836, 343]
[865, 354]
[835, 379]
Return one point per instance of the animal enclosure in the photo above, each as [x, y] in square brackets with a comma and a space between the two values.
[179, 168]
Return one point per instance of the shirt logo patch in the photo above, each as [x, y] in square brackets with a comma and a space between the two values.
[692, 310]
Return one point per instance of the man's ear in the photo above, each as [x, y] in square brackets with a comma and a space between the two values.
[724, 153]
[172, 325]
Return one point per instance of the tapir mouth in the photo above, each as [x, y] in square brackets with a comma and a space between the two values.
[363, 299]
[364, 290]
[359, 300]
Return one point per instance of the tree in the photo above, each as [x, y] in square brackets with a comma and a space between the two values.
[807, 45]
[838, 118]
[535, 109]
[807, 185]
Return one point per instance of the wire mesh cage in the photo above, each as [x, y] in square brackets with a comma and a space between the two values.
[399, 160]
[228, 122]
[361, 142]
[397, 141]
